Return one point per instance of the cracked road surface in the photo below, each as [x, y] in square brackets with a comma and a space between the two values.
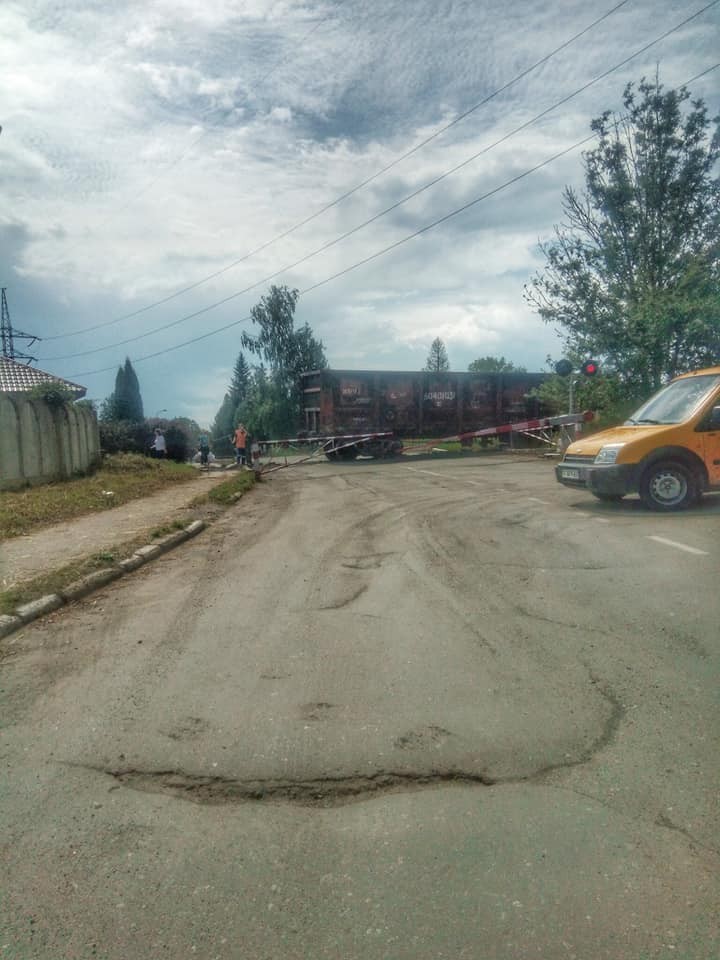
[408, 711]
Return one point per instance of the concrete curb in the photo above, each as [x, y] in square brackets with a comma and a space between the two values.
[27, 612]
[38, 608]
[9, 624]
[84, 586]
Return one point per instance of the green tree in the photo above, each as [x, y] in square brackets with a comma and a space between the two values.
[633, 274]
[240, 382]
[125, 402]
[224, 422]
[265, 411]
[437, 360]
[605, 396]
[494, 365]
[275, 398]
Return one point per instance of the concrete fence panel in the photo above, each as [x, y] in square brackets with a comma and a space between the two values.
[40, 443]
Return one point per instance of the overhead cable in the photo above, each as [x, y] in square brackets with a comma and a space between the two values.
[348, 193]
[375, 217]
[378, 253]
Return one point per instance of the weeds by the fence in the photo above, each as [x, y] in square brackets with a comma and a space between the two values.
[120, 478]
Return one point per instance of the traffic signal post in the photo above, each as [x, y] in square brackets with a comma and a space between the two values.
[564, 368]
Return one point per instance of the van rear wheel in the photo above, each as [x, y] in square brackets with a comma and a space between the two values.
[669, 485]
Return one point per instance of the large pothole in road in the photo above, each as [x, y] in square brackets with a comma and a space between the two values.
[333, 791]
[325, 792]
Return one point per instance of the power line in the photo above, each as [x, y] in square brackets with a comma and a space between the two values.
[351, 191]
[368, 259]
[384, 250]
[377, 216]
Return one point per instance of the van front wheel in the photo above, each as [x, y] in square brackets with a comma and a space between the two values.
[668, 485]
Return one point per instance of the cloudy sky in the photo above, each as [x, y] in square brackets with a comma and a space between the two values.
[150, 146]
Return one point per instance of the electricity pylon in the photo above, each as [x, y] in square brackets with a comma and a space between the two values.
[9, 336]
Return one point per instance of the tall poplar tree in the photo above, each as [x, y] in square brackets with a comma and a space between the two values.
[132, 397]
[125, 402]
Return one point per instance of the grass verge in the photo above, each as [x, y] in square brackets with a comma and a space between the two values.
[121, 478]
[228, 491]
[58, 579]
[209, 506]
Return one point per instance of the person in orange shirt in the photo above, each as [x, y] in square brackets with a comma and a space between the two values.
[239, 438]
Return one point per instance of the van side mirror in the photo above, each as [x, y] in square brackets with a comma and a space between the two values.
[715, 418]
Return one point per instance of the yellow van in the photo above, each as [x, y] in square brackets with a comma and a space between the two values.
[668, 451]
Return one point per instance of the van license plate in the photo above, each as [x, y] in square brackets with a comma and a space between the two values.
[571, 474]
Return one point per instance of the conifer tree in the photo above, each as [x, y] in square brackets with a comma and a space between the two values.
[224, 422]
[437, 360]
[240, 382]
[132, 396]
[125, 402]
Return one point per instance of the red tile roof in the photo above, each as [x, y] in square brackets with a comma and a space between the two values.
[16, 377]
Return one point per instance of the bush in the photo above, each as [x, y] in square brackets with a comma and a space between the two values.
[54, 393]
[178, 441]
[127, 436]
[123, 436]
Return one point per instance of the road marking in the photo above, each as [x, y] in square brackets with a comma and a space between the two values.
[448, 476]
[443, 476]
[680, 546]
[538, 500]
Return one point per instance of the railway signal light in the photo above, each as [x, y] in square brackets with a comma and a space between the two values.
[590, 368]
[563, 368]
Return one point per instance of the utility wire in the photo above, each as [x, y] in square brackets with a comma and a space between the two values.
[348, 193]
[354, 266]
[377, 216]
[378, 253]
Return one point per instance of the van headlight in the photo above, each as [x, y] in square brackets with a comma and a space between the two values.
[609, 453]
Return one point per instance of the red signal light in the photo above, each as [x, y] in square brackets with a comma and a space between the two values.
[590, 368]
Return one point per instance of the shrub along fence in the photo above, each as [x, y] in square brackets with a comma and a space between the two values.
[41, 441]
[128, 436]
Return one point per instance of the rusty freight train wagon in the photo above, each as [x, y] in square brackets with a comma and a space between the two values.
[409, 405]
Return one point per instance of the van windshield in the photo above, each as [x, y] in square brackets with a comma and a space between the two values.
[676, 402]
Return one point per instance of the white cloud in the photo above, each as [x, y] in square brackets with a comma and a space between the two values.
[149, 144]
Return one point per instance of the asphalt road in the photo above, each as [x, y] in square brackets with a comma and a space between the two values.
[411, 711]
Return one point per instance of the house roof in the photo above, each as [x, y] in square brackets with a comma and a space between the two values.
[16, 377]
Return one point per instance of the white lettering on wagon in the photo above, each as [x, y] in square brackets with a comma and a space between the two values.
[439, 395]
